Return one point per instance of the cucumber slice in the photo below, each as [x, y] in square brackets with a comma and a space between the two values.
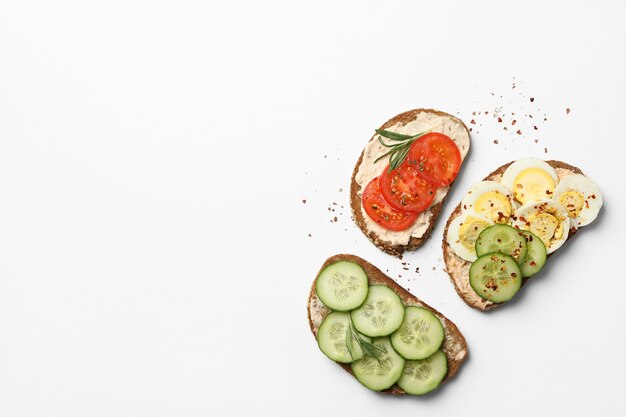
[335, 339]
[423, 376]
[501, 238]
[535, 256]
[381, 314]
[342, 286]
[495, 277]
[382, 372]
[420, 334]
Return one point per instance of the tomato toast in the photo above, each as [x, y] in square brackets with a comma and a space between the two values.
[403, 176]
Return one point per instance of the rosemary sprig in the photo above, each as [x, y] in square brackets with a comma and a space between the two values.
[397, 151]
[368, 349]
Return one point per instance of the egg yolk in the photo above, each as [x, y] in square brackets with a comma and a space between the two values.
[533, 184]
[469, 231]
[494, 205]
[546, 226]
[573, 201]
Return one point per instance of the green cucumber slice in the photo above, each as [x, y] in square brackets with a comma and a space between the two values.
[335, 339]
[382, 372]
[381, 314]
[342, 286]
[420, 335]
[423, 376]
[535, 256]
[501, 238]
[495, 277]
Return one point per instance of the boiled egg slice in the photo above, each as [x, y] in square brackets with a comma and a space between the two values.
[463, 232]
[490, 199]
[581, 198]
[545, 218]
[530, 179]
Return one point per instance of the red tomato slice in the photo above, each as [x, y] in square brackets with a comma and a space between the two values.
[382, 213]
[404, 189]
[436, 157]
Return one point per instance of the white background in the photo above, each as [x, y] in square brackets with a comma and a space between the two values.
[154, 248]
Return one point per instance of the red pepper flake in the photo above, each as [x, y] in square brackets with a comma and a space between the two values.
[532, 99]
[335, 219]
[495, 141]
[567, 110]
[499, 119]
[486, 112]
[473, 121]
[519, 132]
[513, 122]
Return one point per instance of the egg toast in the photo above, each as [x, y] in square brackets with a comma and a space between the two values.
[370, 166]
[461, 263]
[452, 344]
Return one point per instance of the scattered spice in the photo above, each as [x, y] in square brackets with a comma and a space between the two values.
[545, 150]
[567, 110]
[304, 201]
[341, 190]
[532, 99]
[519, 132]
[495, 141]
[473, 121]
[513, 122]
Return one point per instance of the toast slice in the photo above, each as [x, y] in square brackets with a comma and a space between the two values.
[458, 268]
[454, 344]
[410, 122]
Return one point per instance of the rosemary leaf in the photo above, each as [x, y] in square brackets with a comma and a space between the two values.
[392, 135]
[397, 151]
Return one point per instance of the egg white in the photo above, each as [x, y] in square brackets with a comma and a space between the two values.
[527, 211]
[589, 191]
[454, 240]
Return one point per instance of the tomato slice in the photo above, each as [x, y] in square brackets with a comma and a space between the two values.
[404, 189]
[382, 213]
[436, 157]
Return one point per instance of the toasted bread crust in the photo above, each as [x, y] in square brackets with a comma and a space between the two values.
[449, 256]
[355, 200]
[454, 344]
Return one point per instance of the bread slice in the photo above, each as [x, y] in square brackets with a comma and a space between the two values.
[458, 268]
[454, 344]
[410, 122]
